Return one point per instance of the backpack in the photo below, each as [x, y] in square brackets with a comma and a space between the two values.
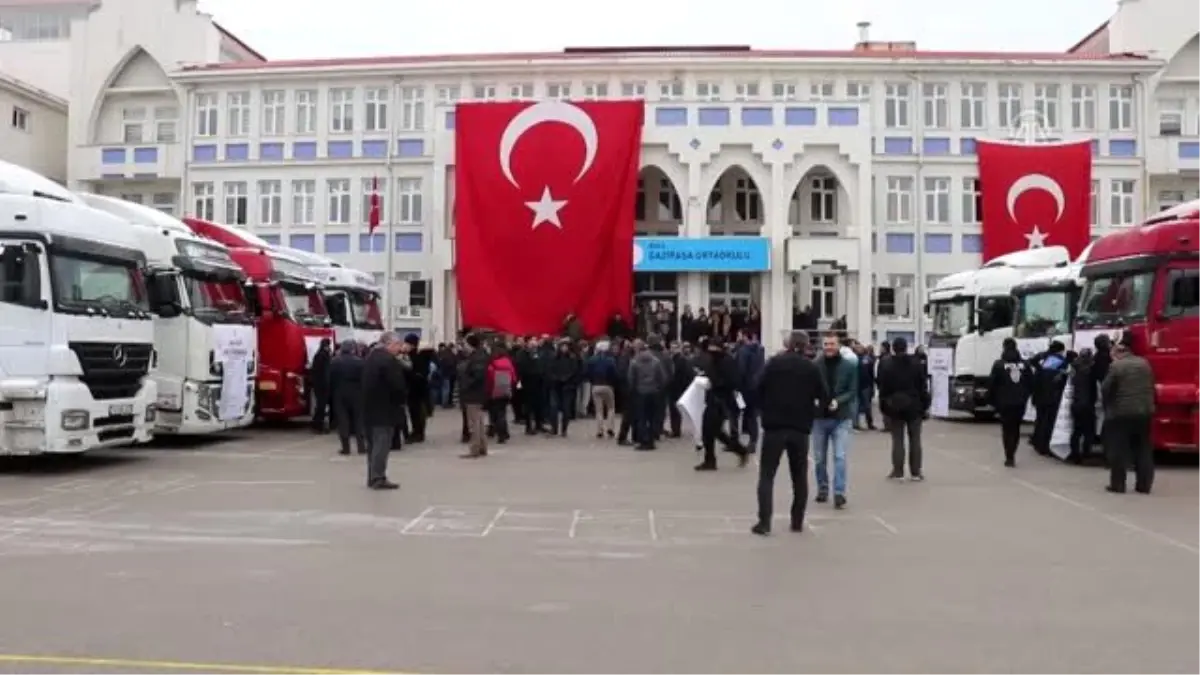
[502, 384]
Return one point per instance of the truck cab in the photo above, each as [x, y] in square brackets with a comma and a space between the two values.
[1046, 303]
[76, 332]
[973, 313]
[351, 297]
[1146, 280]
[290, 310]
[203, 327]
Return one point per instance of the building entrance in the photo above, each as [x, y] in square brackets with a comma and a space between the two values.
[656, 304]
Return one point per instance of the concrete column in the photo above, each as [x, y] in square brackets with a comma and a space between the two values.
[865, 225]
[692, 290]
[777, 290]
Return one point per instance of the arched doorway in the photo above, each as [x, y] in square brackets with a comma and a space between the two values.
[735, 207]
[658, 212]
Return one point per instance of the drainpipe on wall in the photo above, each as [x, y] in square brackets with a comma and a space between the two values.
[389, 246]
[919, 207]
[1141, 92]
[186, 141]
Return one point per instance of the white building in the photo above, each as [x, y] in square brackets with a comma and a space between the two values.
[856, 166]
[34, 131]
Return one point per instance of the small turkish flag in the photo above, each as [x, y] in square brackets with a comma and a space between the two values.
[375, 216]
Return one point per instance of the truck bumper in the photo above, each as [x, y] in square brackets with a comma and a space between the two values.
[66, 419]
[198, 411]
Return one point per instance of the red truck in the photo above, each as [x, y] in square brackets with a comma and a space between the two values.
[1146, 280]
[291, 316]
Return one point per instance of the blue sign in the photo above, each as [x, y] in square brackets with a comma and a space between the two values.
[707, 254]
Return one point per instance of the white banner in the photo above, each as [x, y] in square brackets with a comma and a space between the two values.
[234, 350]
[941, 366]
[691, 404]
[311, 344]
[1064, 424]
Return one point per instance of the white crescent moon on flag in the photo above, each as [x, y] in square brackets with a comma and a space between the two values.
[548, 111]
[1035, 181]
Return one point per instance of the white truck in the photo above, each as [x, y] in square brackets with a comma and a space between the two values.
[1046, 304]
[204, 330]
[973, 313]
[351, 297]
[76, 332]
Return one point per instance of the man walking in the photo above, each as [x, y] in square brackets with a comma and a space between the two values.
[904, 395]
[1128, 396]
[832, 428]
[719, 404]
[501, 383]
[647, 381]
[790, 388]
[384, 398]
[346, 388]
[472, 391]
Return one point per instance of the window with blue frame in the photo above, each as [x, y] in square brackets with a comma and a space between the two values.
[972, 243]
[939, 243]
[303, 242]
[372, 243]
[898, 242]
[337, 243]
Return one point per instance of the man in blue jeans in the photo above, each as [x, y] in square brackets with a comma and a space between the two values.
[839, 366]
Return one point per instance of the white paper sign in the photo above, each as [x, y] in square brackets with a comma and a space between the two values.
[691, 404]
[941, 366]
[1064, 424]
[234, 349]
[312, 345]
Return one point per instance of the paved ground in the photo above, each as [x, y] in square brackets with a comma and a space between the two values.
[553, 556]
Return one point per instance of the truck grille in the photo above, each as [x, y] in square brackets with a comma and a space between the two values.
[112, 370]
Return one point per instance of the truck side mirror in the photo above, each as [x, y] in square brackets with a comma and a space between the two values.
[164, 294]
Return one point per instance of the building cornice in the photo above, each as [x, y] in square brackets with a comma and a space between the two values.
[33, 93]
[633, 65]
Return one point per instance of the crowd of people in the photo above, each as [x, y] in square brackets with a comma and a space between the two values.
[803, 401]
[1102, 376]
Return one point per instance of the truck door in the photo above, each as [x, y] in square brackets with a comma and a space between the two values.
[1175, 355]
[25, 310]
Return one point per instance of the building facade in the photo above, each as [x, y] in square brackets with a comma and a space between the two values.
[34, 131]
[844, 181]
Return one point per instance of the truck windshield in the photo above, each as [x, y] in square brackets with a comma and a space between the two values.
[1116, 300]
[364, 309]
[82, 284]
[953, 318]
[209, 297]
[1045, 313]
[303, 303]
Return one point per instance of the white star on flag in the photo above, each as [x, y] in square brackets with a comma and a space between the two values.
[1035, 238]
[546, 209]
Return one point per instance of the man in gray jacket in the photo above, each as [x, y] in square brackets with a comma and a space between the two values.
[1128, 396]
[647, 382]
[655, 345]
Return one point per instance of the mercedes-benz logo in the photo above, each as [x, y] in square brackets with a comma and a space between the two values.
[118, 355]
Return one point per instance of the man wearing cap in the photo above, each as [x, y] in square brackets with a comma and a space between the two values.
[1127, 394]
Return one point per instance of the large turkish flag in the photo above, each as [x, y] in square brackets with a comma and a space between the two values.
[1035, 195]
[544, 202]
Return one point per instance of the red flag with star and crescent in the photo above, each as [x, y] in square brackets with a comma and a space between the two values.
[1035, 195]
[544, 204]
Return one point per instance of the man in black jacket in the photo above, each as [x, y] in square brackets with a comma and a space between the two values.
[346, 388]
[1011, 382]
[904, 398]
[318, 383]
[472, 391]
[681, 378]
[418, 386]
[385, 394]
[789, 389]
[720, 404]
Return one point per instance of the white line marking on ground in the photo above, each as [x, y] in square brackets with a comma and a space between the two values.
[650, 519]
[885, 524]
[575, 515]
[1047, 492]
[495, 519]
[420, 516]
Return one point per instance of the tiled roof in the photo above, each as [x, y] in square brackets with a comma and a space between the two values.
[667, 52]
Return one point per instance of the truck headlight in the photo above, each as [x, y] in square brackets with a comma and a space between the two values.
[76, 420]
[151, 413]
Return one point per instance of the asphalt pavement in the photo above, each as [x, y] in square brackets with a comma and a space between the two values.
[263, 552]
